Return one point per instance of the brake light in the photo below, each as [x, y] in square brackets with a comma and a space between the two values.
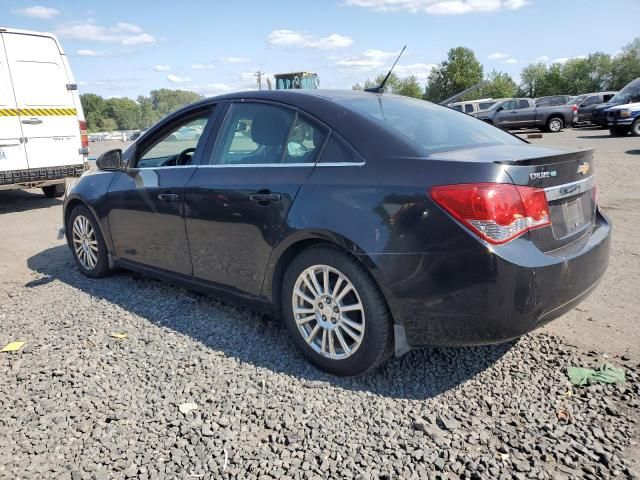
[575, 108]
[84, 138]
[497, 212]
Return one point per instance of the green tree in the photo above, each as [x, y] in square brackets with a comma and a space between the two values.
[107, 124]
[461, 70]
[93, 107]
[626, 66]
[409, 87]
[500, 85]
[165, 101]
[532, 80]
[124, 111]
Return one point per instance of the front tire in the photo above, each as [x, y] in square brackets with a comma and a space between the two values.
[87, 244]
[555, 125]
[335, 312]
[54, 191]
[635, 127]
[618, 131]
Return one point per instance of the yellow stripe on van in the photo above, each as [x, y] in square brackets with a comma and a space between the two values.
[38, 112]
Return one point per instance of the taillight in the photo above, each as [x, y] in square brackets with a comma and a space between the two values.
[84, 138]
[498, 212]
[575, 108]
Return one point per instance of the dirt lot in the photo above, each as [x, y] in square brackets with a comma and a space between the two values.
[199, 389]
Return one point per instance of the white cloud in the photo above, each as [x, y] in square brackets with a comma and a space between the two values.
[541, 59]
[37, 11]
[177, 78]
[233, 60]
[439, 7]
[290, 38]
[419, 70]
[162, 68]
[123, 33]
[202, 66]
[85, 52]
[211, 89]
[368, 60]
[566, 59]
[498, 56]
[510, 61]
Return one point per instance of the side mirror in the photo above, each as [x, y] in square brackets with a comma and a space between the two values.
[241, 127]
[110, 161]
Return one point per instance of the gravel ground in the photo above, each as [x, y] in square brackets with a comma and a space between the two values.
[200, 389]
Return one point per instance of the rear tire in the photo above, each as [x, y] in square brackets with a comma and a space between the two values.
[618, 131]
[555, 125]
[635, 127]
[54, 191]
[87, 244]
[344, 328]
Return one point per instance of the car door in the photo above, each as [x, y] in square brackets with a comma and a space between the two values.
[507, 117]
[45, 100]
[587, 106]
[146, 202]
[12, 152]
[238, 199]
[526, 115]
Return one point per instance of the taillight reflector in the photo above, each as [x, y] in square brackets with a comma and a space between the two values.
[84, 138]
[497, 212]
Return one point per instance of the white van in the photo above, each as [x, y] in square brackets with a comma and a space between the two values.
[43, 137]
[473, 106]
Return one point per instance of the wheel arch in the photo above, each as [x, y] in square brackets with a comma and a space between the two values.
[75, 201]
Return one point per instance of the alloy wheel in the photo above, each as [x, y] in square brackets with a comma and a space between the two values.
[555, 125]
[85, 243]
[328, 312]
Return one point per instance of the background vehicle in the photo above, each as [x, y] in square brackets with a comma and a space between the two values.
[587, 102]
[473, 106]
[624, 119]
[523, 113]
[629, 94]
[296, 80]
[393, 223]
[552, 101]
[43, 136]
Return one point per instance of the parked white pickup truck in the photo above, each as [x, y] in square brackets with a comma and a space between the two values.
[43, 137]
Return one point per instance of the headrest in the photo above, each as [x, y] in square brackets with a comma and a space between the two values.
[269, 128]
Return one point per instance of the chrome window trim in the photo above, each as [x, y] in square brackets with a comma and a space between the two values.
[160, 167]
[570, 189]
[283, 165]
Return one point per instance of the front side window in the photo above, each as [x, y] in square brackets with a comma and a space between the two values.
[457, 108]
[592, 100]
[259, 133]
[510, 105]
[177, 147]
[543, 102]
[485, 105]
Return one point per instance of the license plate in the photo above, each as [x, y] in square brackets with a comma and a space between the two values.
[573, 214]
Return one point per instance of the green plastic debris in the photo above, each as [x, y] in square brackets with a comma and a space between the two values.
[606, 373]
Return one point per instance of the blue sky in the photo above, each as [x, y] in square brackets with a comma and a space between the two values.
[127, 48]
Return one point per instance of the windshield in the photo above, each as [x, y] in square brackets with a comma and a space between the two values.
[628, 93]
[577, 100]
[432, 127]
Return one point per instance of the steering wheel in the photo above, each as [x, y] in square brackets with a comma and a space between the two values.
[183, 157]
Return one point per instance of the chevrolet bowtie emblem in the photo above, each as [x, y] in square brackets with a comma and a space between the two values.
[583, 169]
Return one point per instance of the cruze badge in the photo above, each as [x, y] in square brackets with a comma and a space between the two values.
[541, 175]
[583, 169]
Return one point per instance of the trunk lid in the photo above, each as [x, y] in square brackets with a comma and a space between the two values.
[567, 176]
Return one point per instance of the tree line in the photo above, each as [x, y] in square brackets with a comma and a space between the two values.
[126, 114]
[596, 72]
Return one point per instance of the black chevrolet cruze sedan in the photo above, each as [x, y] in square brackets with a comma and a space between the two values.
[372, 223]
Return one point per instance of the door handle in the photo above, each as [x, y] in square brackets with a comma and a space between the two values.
[32, 121]
[265, 197]
[168, 197]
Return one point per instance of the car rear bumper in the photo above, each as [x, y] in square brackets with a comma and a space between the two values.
[484, 295]
[41, 176]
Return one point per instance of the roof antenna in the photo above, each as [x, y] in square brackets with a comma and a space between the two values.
[380, 88]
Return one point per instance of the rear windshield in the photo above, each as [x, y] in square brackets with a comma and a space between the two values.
[432, 127]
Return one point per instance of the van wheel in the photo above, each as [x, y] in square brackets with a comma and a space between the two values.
[555, 124]
[335, 312]
[87, 245]
[54, 191]
[635, 127]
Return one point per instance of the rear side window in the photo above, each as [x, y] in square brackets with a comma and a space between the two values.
[431, 127]
[338, 150]
[543, 102]
[607, 97]
[523, 104]
[468, 108]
